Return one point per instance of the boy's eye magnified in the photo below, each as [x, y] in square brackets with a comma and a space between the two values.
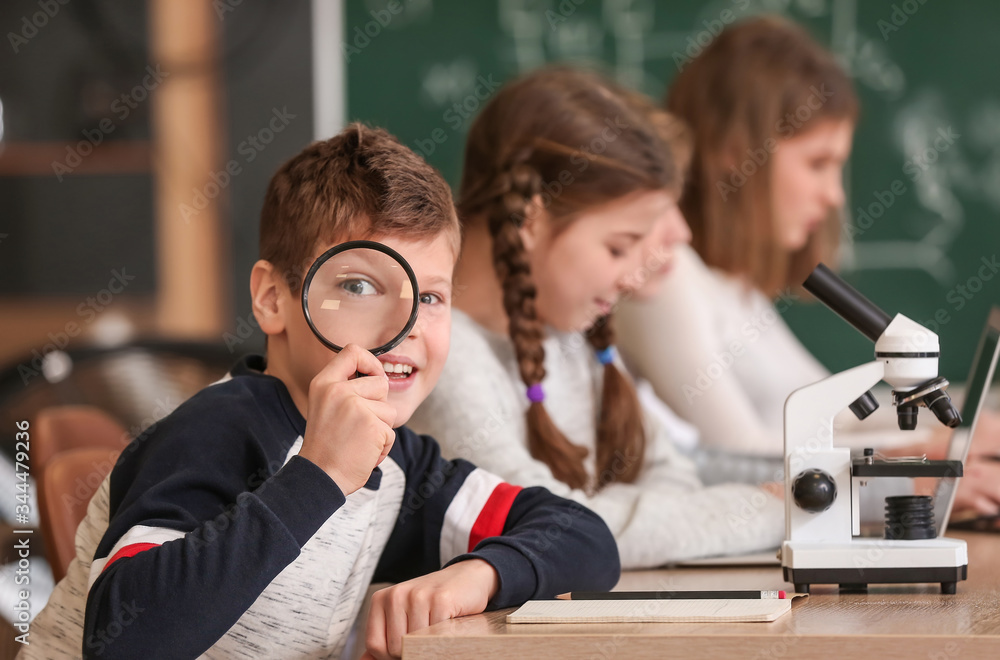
[358, 286]
[360, 292]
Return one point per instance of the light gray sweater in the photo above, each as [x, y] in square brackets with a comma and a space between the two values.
[477, 411]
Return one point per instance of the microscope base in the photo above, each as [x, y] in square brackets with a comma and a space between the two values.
[857, 580]
[866, 561]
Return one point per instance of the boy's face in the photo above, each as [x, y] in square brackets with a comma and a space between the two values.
[421, 354]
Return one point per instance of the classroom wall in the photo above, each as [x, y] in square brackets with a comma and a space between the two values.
[923, 181]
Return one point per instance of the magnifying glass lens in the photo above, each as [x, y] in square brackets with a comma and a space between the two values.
[360, 296]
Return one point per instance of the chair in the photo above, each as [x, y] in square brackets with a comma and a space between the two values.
[72, 449]
[65, 487]
[137, 383]
[59, 428]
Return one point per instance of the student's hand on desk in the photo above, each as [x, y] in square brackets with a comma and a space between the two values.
[978, 491]
[986, 441]
[349, 427]
[460, 589]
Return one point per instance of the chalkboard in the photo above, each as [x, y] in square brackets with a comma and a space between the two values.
[923, 181]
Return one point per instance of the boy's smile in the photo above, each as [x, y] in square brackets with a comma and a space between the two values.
[401, 370]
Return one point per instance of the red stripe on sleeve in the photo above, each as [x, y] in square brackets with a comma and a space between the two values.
[494, 514]
[129, 551]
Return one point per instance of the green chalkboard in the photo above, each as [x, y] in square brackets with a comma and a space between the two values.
[924, 177]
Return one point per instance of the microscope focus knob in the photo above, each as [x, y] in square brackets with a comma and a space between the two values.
[814, 490]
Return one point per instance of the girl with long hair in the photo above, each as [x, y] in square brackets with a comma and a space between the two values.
[568, 202]
[772, 117]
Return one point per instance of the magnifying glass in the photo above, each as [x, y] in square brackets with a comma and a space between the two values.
[360, 292]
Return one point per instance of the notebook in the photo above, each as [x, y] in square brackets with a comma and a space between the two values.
[652, 611]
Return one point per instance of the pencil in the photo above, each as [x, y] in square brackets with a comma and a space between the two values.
[668, 595]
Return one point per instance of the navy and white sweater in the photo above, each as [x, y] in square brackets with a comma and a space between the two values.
[213, 537]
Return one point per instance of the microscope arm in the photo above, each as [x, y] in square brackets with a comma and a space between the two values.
[810, 410]
[809, 414]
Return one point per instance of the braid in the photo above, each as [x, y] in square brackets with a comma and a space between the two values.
[545, 442]
[523, 146]
[621, 439]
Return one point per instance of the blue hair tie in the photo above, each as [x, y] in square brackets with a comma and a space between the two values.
[536, 394]
[606, 355]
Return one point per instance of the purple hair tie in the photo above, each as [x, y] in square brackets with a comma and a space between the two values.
[606, 355]
[536, 394]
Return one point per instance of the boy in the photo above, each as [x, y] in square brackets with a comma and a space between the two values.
[250, 522]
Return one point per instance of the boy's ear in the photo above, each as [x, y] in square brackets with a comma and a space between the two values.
[268, 292]
[535, 223]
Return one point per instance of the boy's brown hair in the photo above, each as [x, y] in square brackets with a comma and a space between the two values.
[745, 92]
[361, 183]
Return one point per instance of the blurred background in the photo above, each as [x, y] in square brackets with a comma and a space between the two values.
[137, 139]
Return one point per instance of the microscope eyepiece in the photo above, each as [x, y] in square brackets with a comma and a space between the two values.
[847, 302]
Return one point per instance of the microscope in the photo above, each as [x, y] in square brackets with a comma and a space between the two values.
[823, 542]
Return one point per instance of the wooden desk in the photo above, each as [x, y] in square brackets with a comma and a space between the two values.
[915, 622]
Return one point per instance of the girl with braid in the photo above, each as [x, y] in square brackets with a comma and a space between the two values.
[568, 202]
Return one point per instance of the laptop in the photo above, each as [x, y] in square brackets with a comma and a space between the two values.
[977, 390]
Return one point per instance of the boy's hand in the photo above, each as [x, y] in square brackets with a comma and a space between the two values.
[460, 589]
[349, 428]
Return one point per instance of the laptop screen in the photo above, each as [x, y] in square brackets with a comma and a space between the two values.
[977, 388]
